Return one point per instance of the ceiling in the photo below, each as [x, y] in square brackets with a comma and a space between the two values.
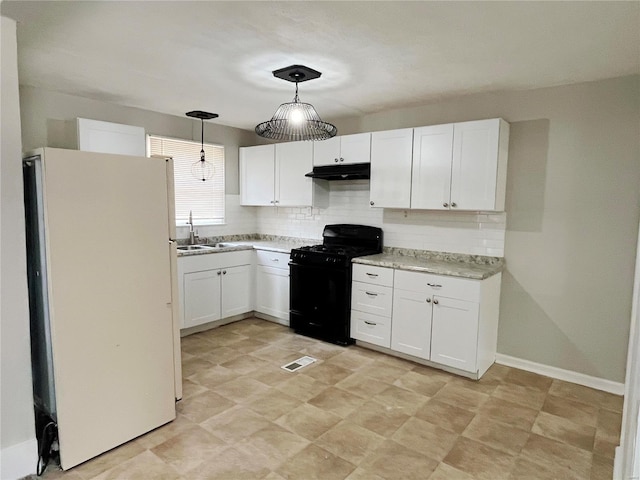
[217, 56]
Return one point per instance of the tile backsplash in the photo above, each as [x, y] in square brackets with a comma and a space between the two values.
[475, 233]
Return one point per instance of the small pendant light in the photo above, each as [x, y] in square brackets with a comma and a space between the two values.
[296, 120]
[201, 169]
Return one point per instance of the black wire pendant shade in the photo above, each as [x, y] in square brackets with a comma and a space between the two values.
[296, 120]
[202, 169]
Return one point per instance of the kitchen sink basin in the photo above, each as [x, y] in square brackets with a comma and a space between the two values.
[190, 248]
[221, 245]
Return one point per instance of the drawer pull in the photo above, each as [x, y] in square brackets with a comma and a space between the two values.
[434, 285]
[371, 294]
[435, 302]
[370, 323]
[275, 260]
[372, 274]
[428, 300]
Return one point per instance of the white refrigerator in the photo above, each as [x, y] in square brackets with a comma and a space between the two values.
[101, 261]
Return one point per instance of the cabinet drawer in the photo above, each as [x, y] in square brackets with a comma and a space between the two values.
[371, 328]
[370, 298]
[273, 259]
[442, 285]
[374, 275]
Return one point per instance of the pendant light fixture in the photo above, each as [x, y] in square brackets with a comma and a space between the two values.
[296, 120]
[201, 169]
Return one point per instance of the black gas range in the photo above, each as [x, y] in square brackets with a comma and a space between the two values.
[320, 281]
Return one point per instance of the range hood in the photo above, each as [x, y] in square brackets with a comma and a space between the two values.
[353, 171]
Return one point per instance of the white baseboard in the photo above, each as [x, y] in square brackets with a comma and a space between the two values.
[561, 374]
[19, 460]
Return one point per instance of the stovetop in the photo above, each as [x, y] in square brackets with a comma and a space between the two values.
[340, 244]
[342, 250]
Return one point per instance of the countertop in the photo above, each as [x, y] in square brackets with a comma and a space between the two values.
[238, 242]
[475, 267]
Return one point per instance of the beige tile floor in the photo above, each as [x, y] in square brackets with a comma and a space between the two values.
[358, 414]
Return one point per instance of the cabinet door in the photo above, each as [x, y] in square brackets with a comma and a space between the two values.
[257, 175]
[326, 152]
[201, 297]
[475, 165]
[431, 171]
[411, 324]
[107, 137]
[355, 148]
[293, 160]
[236, 290]
[454, 335]
[391, 168]
[272, 292]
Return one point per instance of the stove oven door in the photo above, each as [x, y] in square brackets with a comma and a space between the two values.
[320, 302]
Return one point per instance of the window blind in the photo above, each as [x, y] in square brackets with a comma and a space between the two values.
[204, 199]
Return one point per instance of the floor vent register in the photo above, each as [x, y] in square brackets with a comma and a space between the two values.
[298, 364]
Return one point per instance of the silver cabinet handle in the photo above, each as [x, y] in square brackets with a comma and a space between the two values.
[371, 294]
[335, 160]
[445, 204]
[372, 274]
[435, 302]
[272, 201]
[428, 300]
[370, 323]
[219, 272]
[341, 159]
[434, 285]
[275, 260]
[277, 201]
[371, 203]
[224, 272]
[454, 204]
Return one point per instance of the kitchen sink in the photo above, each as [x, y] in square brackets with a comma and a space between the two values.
[190, 248]
[221, 245]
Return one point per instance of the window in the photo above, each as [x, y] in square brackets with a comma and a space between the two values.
[204, 199]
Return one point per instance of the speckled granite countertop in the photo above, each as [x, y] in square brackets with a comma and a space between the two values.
[475, 267]
[271, 243]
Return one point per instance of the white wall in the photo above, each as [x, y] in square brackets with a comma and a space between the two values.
[18, 448]
[48, 121]
[573, 206]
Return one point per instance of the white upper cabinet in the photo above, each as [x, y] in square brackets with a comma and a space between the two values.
[107, 137]
[391, 153]
[431, 171]
[479, 168]
[257, 175]
[344, 149]
[274, 175]
[293, 160]
[460, 166]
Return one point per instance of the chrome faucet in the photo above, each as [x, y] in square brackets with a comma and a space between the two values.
[193, 235]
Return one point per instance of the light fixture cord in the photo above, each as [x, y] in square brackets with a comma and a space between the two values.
[295, 99]
[202, 140]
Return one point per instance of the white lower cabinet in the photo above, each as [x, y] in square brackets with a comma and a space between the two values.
[235, 291]
[454, 333]
[411, 328]
[374, 329]
[448, 321]
[272, 285]
[201, 297]
[214, 286]
[371, 300]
